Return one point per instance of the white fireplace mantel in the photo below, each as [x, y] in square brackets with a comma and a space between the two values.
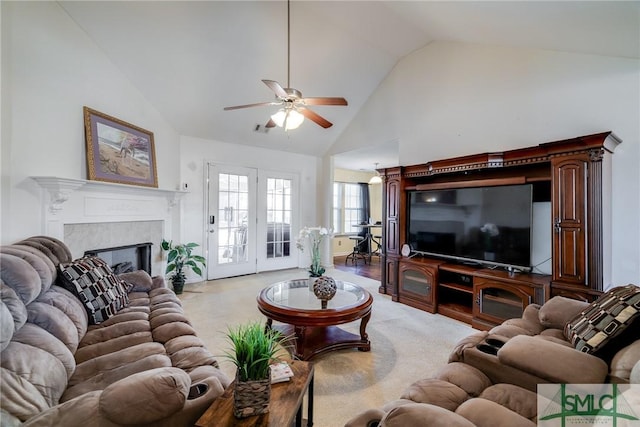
[94, 214]
[59, 190]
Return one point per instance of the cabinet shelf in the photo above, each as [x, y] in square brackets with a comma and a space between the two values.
[502, 300]
[456, 311]
[457, 287]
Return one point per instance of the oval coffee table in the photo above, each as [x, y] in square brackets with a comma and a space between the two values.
[292, 303]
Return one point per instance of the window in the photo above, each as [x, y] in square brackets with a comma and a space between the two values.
[278, 217]
[348, 207]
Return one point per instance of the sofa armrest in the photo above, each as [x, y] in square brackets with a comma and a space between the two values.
[368, 418]
[553, 362]
[141, 281]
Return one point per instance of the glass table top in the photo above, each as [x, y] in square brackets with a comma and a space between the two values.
[297, 294]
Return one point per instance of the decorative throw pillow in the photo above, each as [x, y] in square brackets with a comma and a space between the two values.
[605, 318]
[92, 281]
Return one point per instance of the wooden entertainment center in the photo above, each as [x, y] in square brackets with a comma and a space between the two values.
[573, 175]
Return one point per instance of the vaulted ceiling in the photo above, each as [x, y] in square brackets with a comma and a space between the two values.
[192, 58]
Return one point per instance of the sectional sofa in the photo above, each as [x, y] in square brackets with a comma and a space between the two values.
[81, 346]
[492, 376]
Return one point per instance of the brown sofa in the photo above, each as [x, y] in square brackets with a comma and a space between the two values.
[492, 376]
[140, 365]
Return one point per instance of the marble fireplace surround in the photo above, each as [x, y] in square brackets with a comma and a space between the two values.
[89, 215]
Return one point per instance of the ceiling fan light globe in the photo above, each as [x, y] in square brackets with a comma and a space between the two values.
[287, 118]
[293, 120]
[278, 117]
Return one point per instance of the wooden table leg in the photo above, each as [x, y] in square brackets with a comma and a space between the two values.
[310, 401]
[363, 332]
[300, 336]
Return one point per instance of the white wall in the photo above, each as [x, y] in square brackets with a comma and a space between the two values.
[195, 153]
[451, 99]
[50, 70]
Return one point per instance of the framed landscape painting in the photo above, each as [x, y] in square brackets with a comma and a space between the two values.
[118, 151]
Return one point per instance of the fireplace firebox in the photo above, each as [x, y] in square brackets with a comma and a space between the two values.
[126, 258]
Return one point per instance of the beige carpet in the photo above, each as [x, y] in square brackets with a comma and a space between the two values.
[406, 344]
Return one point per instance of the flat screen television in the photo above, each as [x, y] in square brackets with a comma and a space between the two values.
[487, 225]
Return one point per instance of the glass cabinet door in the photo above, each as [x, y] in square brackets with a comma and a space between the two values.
[417, 282]
[497, 302]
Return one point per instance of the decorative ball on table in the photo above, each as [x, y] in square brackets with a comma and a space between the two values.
[324, 288]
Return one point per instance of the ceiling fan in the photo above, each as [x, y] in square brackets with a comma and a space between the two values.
[294, 105]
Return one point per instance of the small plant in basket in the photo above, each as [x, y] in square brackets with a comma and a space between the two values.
[254, 349]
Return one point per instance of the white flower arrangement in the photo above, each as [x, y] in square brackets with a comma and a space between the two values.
[314, 236]
[490, 231]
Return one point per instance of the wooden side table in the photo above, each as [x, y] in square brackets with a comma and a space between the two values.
[285, 404]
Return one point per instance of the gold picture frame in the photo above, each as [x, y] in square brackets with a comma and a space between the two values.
[118, 151]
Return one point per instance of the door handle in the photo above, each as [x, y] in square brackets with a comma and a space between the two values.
[212, 219]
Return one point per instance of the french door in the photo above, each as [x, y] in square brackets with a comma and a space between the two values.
[277, 219]
[251, 215]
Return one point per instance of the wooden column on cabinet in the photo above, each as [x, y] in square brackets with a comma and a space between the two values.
[393, 203]
[579, 186]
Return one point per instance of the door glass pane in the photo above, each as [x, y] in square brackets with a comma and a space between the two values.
[233, 212]
[278, 217]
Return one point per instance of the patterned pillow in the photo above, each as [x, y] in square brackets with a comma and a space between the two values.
[92, 281]
[604, 319]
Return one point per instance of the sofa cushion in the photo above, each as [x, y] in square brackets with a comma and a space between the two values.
[540, 357]
[634, 377]
[109, 376]
[20, 398]
[604, 319]
[559, 311]
[485, 413]
[138, 280]
[436, 392]
[37, 337]
[21, 277]
[91, 279]
[36, 262]
[514, 398]
[420, 414]
[57, 247]
[36, 366]
[161, 392]
[625, 360]
[470, 379]
[6, 326]
[14, 305]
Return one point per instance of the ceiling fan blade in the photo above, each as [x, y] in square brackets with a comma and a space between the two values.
[315, 117]
[324, 101]
[276, 88]
[270, 124]
[258, 104]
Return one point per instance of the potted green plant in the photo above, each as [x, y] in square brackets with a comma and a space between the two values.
[180, 256]
[254, 349]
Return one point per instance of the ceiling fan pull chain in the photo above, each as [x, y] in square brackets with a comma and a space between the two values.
[288, 43]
